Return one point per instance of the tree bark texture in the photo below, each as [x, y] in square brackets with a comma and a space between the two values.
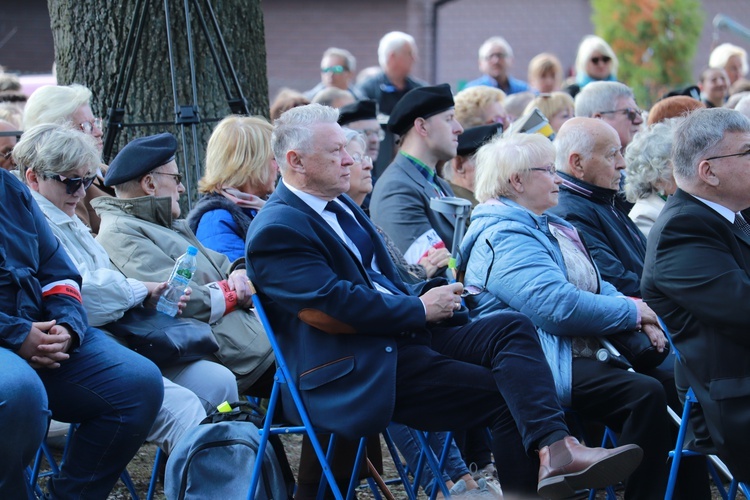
[90, 43]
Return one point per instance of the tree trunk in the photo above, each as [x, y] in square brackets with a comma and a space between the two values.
[90, 44]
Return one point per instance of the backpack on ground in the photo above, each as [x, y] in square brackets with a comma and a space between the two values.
[216, 459]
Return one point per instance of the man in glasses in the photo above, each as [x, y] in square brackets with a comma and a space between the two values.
[144, 236]
[495, 61]
[336, 70]
[696, 277]
[614, 103]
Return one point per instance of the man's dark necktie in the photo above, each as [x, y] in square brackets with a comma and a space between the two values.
[742, 224]
[362, 240]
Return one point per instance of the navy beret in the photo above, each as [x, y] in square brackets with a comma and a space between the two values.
[474, 138]
[422, 102]
[140, 157]
[360, 110]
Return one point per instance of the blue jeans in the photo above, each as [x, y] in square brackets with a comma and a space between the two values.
[23, 420]
[115, 394]
[406, 440]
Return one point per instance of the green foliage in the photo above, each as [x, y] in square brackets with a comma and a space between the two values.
[655, 42]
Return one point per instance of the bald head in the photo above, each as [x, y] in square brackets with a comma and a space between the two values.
[589, 150]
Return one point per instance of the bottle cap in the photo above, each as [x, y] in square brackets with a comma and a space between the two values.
[191, 250]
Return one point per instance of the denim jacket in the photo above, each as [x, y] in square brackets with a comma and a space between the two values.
[511, 252]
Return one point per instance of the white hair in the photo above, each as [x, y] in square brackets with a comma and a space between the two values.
[54, 104]
[391, 42]
[743, 106]
[597, 97]
[494, 40]
[56, 149]
[293, 129]
[589, 45]
[721, 54]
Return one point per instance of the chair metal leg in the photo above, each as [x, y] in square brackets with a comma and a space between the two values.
[158, 459]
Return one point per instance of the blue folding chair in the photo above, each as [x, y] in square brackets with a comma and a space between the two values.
[283, 376]
[35, 472]
[714, 463]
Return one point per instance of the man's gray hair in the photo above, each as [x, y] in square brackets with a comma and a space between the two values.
[391, 42]
[54, 104]
[56, 149]
[699, 135]
[293, 129]
[573, 138]
[743, 106]
[494, 40]
[351, 61]
[600, 96]
[649, 159]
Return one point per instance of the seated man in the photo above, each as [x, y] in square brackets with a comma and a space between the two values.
[697, 275]
[590, 163]
[42, 320]
[365, 350]
[143, 236]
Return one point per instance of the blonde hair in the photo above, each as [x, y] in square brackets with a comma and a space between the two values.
[721, 54]
[589, 45]
[545, 63]
[54, 104]
[470, 103]
[551, 104]
[504, 156]
[238, 151]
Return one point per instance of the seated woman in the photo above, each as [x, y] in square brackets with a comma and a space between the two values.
[595, 62]
[240, 174]
[58, 164]
[558, 107]
[545, 73]
[43, 321]
[649, 179]
[530, 261]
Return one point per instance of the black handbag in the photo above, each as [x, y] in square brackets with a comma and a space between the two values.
[163, 339]
[636, 347]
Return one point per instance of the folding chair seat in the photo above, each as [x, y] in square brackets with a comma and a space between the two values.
[283, 376]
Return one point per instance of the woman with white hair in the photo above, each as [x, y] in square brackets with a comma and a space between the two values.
[58, 164]
[649, 179]
[71, 105]
[595, 61]
[522, 258]
[730, 58]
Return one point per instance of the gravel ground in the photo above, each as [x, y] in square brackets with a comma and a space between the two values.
[141, 465]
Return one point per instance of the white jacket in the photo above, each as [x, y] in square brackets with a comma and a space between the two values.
[107, 293]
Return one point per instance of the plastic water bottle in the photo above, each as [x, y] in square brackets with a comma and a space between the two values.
[179, 280]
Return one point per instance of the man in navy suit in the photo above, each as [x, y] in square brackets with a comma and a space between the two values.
[365, 350]
[697, 277]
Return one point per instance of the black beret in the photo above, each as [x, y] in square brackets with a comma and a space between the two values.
[140, 157]
[474, 138]
[360, 110]
[422, 102]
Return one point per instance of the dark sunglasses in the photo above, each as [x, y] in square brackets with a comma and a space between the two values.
[598, 59]
[72, 184]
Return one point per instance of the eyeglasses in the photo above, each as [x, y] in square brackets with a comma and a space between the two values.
[72, 184]
[89, 126]
[364, 159]
[177, 177]
[496, 55]
[374, 132]
[597, 59]
[550, 169]
[632, 113]
[333, 69]
[744, 153]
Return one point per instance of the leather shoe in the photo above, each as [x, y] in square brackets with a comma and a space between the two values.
[567, 466]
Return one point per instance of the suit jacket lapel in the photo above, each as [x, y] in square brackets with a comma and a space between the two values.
[429, 190]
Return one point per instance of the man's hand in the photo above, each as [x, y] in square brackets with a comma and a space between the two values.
[441, 302]
[650, 326]
[46, 345]
[648, 316]
[156, 290]
[435, 259]
[238, 282]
